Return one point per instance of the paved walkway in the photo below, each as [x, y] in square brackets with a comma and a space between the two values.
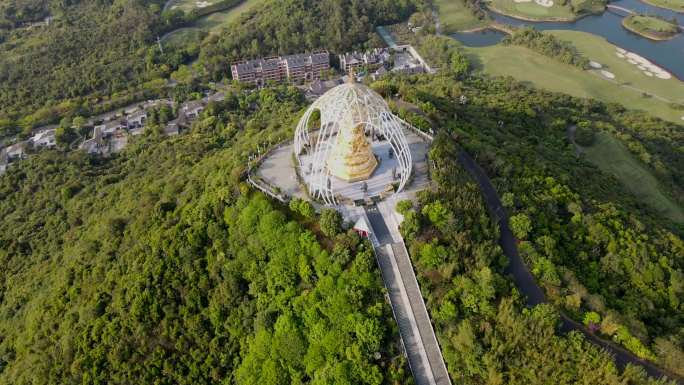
[623, 9]
[415, 328]
[278, 170]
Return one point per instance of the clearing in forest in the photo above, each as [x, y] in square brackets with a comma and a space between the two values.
[611, 156]
[211, 23]
[217, 20]
[455, 16]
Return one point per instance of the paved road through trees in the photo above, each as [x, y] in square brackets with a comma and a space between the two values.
[525, 281]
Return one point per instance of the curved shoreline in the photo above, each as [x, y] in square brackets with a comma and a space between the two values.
[491, 8]
[527, 284]
[646, 34]
[661, 7]
[654, 61]
[494, 25]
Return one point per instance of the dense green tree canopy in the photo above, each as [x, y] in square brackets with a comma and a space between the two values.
[158, 266]
[591, 244]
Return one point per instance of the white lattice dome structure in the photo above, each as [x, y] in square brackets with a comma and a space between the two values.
[347, 104]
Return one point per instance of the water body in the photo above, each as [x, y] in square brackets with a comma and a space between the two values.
[483, 38]
[668, 54]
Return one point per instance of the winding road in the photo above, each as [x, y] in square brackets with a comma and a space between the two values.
[526, 283]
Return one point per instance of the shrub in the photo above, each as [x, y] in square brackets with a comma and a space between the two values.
[302, 207]
[331, 222]
[585, 135]
[404, 206]
[591, 318]
[520, 225]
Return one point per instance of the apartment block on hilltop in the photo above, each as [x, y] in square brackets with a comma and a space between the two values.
[297, 68]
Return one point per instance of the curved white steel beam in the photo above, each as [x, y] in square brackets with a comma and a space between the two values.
[350, 103]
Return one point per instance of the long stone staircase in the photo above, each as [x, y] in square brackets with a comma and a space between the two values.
[422, 350]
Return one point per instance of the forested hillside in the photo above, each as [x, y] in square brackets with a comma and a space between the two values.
[158, 266]
[601, 255]
[16, 12]
[334, 25]
[97, 48]
[487, 334]
[96, 51]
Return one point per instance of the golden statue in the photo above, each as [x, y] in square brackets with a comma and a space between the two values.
[352, 159]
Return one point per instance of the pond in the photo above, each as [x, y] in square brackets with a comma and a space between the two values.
[668, 54]
[481, 38]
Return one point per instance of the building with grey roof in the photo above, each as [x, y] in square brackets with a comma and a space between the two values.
[109, 128]
[16, 151]
[46, 138]
[372, 58]
[136, 119]
[296, 68]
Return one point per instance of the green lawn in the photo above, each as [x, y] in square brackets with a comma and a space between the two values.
[611, 156]
[675, 5]
[211, 24]
[653, 23]
[650, 26]
[455, 16]
[182, 37]
[599, 49]
[214, 22]
[544, 72]
[532, 10]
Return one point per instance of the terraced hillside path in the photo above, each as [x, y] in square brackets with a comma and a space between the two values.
[417, 335]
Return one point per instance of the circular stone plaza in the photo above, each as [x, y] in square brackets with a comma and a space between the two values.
[348, 150]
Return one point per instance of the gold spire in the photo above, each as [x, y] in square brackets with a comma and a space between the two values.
[352, 159]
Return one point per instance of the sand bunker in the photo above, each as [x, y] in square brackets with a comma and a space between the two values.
[682, 117]
[544, 3]
[637, 58]
[594, 64]
[522, 1]
[649, 69]
[607, 75]
[202, 4]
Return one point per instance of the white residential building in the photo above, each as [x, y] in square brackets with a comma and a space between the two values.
[192, 109]
[45, 138]
[109, 128]
[137, 119]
